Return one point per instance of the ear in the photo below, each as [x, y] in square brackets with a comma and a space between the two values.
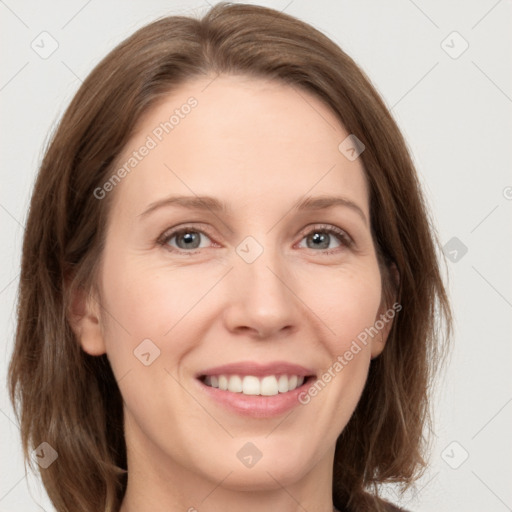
[84, 316]
[387, 310]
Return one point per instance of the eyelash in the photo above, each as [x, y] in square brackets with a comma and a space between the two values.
[342, 236]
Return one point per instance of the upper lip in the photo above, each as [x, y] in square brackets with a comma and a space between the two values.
[258, 369]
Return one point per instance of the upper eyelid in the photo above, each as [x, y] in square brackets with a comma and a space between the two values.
[172, 232]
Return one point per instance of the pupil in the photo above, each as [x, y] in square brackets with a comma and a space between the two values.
[322, 239]
[189, 239]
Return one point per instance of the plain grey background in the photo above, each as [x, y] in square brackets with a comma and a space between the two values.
[443, 68]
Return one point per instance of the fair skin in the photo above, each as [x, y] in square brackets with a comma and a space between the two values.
[259, 147]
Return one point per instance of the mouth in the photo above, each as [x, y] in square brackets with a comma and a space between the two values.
[252, 385]
[255, 389]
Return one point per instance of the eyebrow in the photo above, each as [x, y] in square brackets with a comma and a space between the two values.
[212, 204]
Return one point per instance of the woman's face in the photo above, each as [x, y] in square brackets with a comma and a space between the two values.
[242, 289]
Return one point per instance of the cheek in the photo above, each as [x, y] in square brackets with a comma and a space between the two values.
[348, 305]
[347, 300]
[146, 296]
[144, 300]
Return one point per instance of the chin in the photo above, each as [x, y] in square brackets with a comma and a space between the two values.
[271, 475]
[263, 468]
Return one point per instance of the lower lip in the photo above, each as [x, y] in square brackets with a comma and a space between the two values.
[257, 406]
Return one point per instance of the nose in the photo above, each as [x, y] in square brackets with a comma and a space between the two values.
[260, 297]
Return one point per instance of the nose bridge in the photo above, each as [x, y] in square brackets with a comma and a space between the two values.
[259, 266]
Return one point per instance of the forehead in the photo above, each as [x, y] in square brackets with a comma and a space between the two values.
[245, 140]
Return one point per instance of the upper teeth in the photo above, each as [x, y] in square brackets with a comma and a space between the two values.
[251, 385]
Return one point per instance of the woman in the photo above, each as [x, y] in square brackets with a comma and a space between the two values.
[230, 297]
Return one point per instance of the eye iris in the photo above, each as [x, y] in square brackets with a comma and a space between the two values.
[191, 238]
[322, 238]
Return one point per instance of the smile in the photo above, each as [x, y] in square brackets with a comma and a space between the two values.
[259, 390]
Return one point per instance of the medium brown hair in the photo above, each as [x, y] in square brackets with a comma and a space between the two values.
[70, 399]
